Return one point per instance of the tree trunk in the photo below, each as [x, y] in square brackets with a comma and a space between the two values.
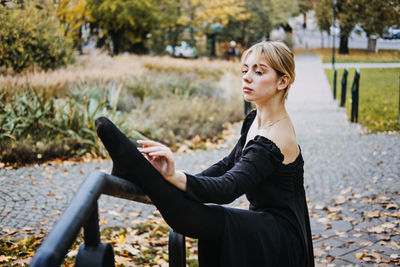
[304, 20]
[344, 44]
[21, 4]
[211, 40]
[116, 39]
[371, 44]
[322, 39]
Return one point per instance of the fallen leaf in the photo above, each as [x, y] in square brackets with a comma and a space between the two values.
[329, 258]
[392, 206]
[371, 214]
[72, 253]
[23, 262]
[6, 258]
[376, 255]
[366, 244]
[122, 260]
[359, 255]
[319, 252]
[375, 229]
[8, 231]
[114, 213]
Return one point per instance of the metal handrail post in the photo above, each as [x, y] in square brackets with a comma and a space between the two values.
[176, 249]
[61, 238]
[355, 96]
[91, 229]
[344, 87]
[83, 212]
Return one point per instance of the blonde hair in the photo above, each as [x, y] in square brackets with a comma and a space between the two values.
[278, 56]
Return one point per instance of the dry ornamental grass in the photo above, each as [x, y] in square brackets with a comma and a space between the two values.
[51, 114]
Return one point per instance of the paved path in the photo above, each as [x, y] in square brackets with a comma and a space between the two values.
[362, 65]
[351, 178]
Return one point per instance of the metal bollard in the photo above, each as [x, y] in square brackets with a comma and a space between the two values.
[334, 83]
[344, 85]
[176, 249]
[94, 253]
[355, 96]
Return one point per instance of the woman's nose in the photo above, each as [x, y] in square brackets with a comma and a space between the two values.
[247, 78]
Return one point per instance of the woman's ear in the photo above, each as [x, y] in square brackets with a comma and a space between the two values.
[283, 82]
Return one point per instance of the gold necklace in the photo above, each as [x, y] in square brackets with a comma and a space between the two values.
[272, 123]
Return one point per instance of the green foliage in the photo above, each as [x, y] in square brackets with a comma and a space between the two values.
[126, 23]
[44, 127]
[305, 5]
[377, 14]
[373, 16]
[323, 13]
[379, 96]
[32, 36]
[75, 15]
[259, 19]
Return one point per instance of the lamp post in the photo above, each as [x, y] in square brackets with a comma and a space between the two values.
[333, 47]
[334, 32]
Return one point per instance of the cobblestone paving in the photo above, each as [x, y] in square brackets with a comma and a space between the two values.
[349, 175]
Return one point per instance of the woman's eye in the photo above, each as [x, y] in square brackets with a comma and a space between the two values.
[244, 71]
[259, 73]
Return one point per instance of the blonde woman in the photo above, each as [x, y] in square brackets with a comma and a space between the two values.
[266, 164]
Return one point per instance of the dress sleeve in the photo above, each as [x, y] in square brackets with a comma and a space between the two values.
[221, 166]
[260, 158]
[227, 163]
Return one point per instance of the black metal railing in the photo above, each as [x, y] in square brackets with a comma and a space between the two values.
[355, 96]
[83, 212]
[344, 87]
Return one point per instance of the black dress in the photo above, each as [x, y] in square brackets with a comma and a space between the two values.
[275, 231]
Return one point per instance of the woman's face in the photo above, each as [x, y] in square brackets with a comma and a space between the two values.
[259, 84]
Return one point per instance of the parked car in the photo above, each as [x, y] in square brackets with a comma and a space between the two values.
[392, 33]
[184, 50]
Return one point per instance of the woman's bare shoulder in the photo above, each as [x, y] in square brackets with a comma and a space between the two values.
[285, 140]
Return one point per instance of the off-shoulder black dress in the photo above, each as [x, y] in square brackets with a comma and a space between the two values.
[275, 231]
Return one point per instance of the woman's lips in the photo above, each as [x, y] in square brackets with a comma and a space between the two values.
[247, 90]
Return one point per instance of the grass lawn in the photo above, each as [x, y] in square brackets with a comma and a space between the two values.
[379, 97]
[356, 55]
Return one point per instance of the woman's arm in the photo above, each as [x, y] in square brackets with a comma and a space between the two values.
[161, 157]
[260, 158]
[223, 165]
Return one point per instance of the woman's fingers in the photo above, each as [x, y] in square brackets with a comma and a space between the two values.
[152, 149]
[147, 143]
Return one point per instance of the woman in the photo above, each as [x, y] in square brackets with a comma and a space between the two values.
[266, 164]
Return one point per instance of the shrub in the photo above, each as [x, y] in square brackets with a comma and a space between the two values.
[37, 127]
[32, 36]
[174, 120]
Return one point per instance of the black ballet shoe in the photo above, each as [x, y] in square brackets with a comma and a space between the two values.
[122, 151]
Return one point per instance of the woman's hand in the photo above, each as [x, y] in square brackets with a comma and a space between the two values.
[160, 156]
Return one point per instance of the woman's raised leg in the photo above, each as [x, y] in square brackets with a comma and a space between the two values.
[184, 215]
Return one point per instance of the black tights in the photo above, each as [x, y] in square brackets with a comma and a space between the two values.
[186, 216]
